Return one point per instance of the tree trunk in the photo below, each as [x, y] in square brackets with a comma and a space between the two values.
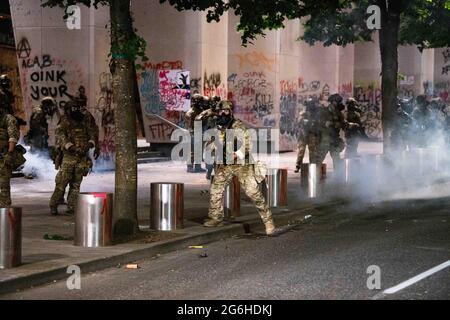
[390, 24]
[125, 197]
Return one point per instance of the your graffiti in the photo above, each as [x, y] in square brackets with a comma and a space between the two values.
[39, 90]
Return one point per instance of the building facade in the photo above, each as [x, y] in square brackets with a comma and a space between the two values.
[268, 80]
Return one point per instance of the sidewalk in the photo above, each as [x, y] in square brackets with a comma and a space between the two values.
[47, 260]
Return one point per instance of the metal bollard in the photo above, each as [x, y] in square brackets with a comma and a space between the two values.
[231, 199]
[351, 170]
[10, 237]
[166, 205]
[312, 176]
[276, 191]
[93, 219]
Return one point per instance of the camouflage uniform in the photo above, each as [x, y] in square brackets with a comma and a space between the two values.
[38, 135]
[309, 136]
[401, 131]
[226, 170]
[189, 119]
[9, 133]
[422, 122]
[81, 101]
[353, 128]
[208, 122]
[74, 138]
[331, 123]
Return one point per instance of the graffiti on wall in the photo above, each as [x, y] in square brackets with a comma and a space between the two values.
[174, 89]
[196, 85]
[255, 60]
[213, 86]
[44, 75]
[105, 107]
[253, 98]
[157, 89]
[369, 99]
[446, 67]
[314, 89]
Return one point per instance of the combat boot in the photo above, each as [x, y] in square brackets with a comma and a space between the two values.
[213, 223]
[270, 228]
[54, 211]
[70, 210]
[297, 169]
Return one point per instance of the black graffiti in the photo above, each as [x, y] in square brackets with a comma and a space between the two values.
[446, 54]
[23, 49]
[288, 119]
[58, 90]
[195, 84]
[45, 62]
[160, 131]
[446, 69]
[263, 105]
[52, 75]
[212, 81]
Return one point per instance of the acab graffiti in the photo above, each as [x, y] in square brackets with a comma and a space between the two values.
[43, 75]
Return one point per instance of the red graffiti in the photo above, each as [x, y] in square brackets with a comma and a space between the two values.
[164, 65]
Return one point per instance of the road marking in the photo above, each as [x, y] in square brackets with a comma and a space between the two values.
[417, 278]
[432, 248]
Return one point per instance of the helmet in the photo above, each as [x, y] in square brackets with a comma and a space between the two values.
[225, 105]
[5, 82]
[335, 98]
[197, 100]
[352, 104]
[215, 99]
[48, 104]
[310, 105]
[48, 101]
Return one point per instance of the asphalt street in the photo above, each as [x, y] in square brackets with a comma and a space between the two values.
[327, 257]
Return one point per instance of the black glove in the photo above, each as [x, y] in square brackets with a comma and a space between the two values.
[96, 153]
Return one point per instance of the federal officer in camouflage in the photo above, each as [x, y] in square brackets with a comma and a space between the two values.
[208, 116]
[75, 137]
[234, 163]
[90, 120]
[353, 129]
[331, 123]
[198, 103]
[309, 134]
[9, 135]
[37, 136]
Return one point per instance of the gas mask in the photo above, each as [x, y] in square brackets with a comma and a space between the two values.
[224, 119]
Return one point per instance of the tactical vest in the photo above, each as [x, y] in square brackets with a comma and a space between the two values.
[79, 135]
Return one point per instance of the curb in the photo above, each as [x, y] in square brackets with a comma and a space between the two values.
[200, 237]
